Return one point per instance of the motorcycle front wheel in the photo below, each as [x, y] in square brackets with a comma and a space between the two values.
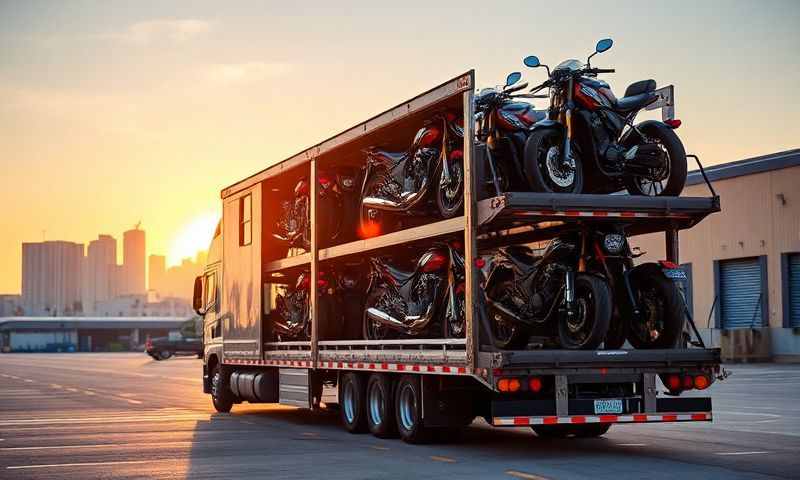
[587, 328]
[372, 330]
[546, 169]
[661, 315]
[669, 180]
[450, 194]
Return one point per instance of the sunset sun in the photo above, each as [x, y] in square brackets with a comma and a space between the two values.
[192, 237]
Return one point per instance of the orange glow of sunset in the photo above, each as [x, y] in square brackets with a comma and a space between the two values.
[192, 237]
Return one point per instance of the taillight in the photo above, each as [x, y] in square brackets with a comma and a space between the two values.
[674, 382]
[701, 382]
[668, 264]
[673, 123]
[324, 180]
[535, 384]
[688, 382]
[480, 263]
[509, 385]
[434, 263]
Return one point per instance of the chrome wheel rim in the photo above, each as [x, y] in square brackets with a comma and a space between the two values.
[348, 402]
[561, 173]
[407, 407]
[375, 399]
[654, 185]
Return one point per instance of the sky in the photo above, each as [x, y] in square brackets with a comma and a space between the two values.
[113, 112]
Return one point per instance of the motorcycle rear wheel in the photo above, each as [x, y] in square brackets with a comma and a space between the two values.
[371, 220]
[660, 306]
[593, 314]
[450, 198]
[542, 163]
[671, 182]
[370, 330]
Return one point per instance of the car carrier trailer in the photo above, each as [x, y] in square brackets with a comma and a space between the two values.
[432, 384]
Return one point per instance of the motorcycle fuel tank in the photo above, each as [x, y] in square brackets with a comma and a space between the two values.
[517, 115]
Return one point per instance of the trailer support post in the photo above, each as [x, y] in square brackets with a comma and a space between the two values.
[562, 396]
[314, 290]
[672, 245]
[649, 392]
[470, 231]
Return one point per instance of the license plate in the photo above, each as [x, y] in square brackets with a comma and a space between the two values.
[675, 273]
[607, 406]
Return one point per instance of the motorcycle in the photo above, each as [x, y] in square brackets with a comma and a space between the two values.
[338, 289]
[649, 309]
[584, 144]
[293, 226]
[526, 293]
[411, 303]
[504, 125]
[400, 182]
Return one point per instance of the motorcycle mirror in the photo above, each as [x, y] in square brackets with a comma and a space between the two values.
[531, 61]
[603, 45]
[513, 78]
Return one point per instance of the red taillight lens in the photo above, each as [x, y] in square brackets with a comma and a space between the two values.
[324, 180]
[674, 123]
[480, 263]
[434, 263]
[514, 385]
[502, 384]
[668, 264]
[701, 382]
[674, 382]
[535, 384]
[688, 382]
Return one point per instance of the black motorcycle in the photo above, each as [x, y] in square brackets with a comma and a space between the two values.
[648, 306]
[414, 303]
[504, 123]
[336, 192]
[527, 294]
[339, 291]
[403, 182]
[584, 145]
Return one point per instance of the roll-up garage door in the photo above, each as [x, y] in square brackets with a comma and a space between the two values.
[794, 290]
[740, 293]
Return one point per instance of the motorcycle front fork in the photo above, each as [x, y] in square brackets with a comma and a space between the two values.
[569, 294]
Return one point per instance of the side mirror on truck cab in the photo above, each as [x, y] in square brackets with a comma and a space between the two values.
[197, 296]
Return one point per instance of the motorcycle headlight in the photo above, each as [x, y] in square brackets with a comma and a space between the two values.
[613, 243]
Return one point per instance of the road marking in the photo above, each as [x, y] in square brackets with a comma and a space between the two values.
[526, 476]
[631, 444]
[55, 385]
[133, 419]
[72, 390]
[741, 453]
[87, 464]
[135, 402]
[379, 447]
[28, 380]
[310, 434]
[88, 392]
[437, 458]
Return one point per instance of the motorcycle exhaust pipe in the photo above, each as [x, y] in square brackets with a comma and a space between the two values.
[508, 314]
[408, 200]
[413, 323]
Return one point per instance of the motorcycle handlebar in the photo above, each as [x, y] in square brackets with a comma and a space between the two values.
[517, 88]
[600, 70]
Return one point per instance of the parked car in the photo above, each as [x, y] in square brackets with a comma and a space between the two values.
[162, 348]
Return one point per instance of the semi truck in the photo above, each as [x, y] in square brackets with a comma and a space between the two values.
[418, 388]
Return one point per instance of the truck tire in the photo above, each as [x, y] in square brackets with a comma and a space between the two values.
[587, 430]
[380, 406]
[352, 403]
[221, 396]
[408, 411]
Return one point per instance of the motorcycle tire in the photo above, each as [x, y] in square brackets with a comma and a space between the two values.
[536, 170]
[659, 303]
[593, 305]
[449, 209]
[676, 178]
[367, 227]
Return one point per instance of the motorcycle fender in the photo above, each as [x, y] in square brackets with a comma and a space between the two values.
[632, 137]
[547, 123]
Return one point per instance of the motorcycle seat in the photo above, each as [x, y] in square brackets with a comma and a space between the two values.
[637, 95]
[400, 276]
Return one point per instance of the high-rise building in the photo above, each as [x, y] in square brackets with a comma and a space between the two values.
[133, 262]
[100, 272]
[51, 278]
[156, 272]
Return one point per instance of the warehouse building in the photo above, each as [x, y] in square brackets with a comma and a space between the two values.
[83, 334]
[744, 262]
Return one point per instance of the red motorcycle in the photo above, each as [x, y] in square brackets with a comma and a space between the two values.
[402, 182]
[590, 143]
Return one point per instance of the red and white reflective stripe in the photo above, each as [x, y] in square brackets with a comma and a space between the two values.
[394, 367]
[577, 213]
[578, 419]
[270, 363]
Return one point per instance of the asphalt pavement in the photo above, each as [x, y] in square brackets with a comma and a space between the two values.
[86, 416]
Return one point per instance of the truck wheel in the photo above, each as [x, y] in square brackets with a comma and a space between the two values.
[220, 395]
[380, 406]
[164, 354]
[352, 403]
[408, 411]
